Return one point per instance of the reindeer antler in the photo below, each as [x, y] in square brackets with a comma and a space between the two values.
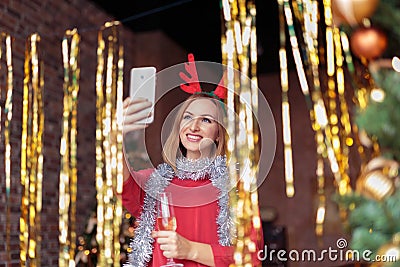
[192, 83]
[221, 90]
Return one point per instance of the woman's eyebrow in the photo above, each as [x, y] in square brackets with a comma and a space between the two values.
[202, 115]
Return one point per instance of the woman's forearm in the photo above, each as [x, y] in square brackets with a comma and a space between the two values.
[201, 253]
[125, 170]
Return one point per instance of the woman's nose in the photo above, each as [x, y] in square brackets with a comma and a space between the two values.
[194, 124]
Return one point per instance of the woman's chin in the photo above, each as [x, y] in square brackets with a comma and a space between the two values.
[204, 149]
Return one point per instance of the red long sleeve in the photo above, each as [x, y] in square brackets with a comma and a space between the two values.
[223, 256]
[133, 193]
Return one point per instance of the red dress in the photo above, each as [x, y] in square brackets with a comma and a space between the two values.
[196, 211]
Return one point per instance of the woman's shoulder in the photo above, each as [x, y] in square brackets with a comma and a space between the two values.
[220, 160]
[142, 172]
[160, 168]
[220, 164]
[163, 170]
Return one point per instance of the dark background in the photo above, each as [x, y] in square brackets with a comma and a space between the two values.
[196, 26]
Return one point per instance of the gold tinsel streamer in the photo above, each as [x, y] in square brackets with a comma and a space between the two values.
[314, 104]
[68, 150]
[327, 137]
[318, 113]
[109, 143]
[7, 53]
[339, 130]
[32, 155]
[239, 52]
[287, 135]
[345, 132]
[361, 98]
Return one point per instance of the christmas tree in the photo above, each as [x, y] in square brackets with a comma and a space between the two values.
[373, 210]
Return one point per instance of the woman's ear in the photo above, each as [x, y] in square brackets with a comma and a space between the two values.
[216, 140]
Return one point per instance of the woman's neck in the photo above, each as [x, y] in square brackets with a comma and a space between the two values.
[198, 155]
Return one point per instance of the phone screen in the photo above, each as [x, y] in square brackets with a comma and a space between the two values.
[143, 84]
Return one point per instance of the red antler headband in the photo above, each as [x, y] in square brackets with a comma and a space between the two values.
[192, 85]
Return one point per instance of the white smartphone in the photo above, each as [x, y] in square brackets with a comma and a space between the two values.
[143, 84]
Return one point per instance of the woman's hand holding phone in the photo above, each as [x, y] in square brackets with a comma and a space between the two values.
[132, 113]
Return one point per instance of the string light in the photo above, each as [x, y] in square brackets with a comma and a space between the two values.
[396, 64]
[377, 95]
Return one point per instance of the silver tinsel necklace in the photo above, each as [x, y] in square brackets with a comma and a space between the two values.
[214, 169]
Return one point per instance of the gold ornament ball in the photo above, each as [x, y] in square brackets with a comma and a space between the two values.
[352, 11]
[375, 185]
[390, 166]
[378, 178]
[368, 43]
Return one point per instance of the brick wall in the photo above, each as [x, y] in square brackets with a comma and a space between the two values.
[50, 19]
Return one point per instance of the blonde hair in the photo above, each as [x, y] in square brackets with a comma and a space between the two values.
[173, 147]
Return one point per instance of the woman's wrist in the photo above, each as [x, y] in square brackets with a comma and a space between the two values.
[193, 251]
[201, 253]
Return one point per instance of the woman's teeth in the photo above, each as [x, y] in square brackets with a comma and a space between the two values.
[193, 137]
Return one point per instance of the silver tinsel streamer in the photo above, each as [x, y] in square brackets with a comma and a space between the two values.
[142, 243]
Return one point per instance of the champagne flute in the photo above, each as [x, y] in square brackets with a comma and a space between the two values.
[166, 220]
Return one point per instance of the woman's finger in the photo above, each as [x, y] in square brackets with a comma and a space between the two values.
[134, 127]
[168, 254]
[126, 102]
[164, 247]
[137, 99]
[136, 107]
[163, 240]
[133, 118]
[133, 101]
[165, 233]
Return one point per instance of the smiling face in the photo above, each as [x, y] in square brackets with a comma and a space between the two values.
[199, 128]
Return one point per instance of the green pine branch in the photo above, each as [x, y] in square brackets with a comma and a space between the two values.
[371, 223]
[382, 119]
[387, 17]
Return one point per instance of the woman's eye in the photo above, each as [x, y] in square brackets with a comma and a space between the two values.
[187, 117]
[206, 120]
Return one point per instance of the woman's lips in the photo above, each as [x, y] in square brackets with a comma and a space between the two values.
[193, 137]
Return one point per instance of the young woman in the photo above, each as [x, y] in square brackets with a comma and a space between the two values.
[195, 173]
